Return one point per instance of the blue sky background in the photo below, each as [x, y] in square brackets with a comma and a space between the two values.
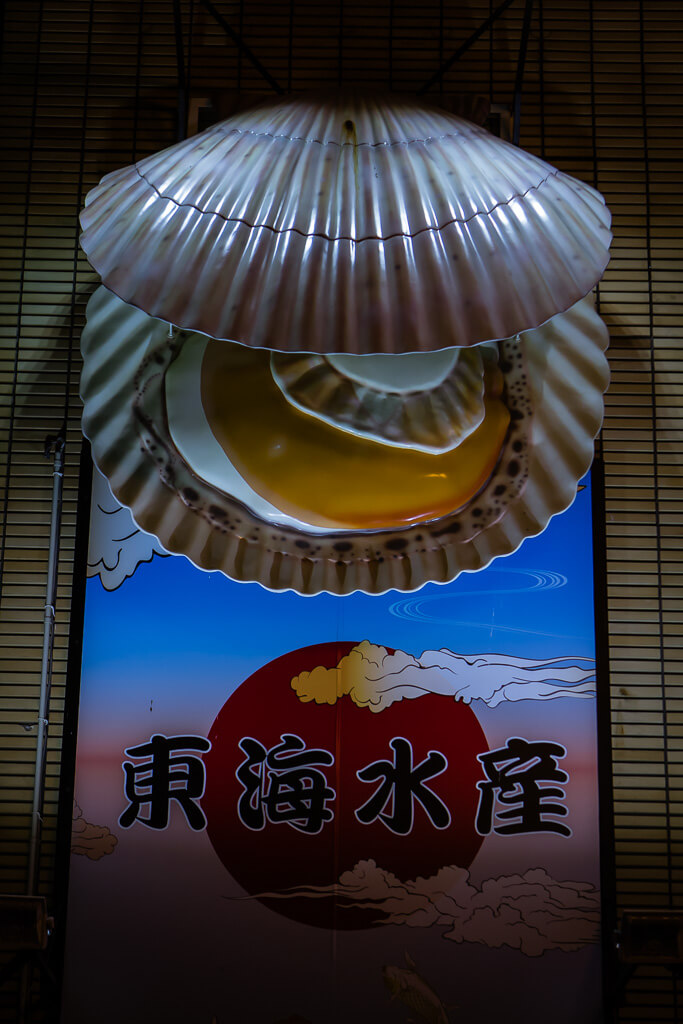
[172, 627]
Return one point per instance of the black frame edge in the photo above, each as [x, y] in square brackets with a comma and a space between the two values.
[70, 727]
[604, 729]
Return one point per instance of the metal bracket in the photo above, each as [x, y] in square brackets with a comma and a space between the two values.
[53, 443]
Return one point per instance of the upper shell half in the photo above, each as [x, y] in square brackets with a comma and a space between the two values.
[347, 225]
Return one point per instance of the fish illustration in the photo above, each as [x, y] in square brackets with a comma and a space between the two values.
[406, 984]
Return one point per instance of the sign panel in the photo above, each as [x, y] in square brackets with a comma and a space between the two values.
[321, 809]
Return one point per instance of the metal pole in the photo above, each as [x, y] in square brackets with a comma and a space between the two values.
[492, 18]
[181, 125]
[55, 445]
[519, 78]
[241, 45]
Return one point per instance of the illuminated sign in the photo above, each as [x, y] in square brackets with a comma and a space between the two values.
[325, 808]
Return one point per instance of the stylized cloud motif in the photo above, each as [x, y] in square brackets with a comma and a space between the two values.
[531, 912]
[117, 545]
[93, 841]
[373, 678]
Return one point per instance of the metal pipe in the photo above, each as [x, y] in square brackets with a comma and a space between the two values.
[55, 445]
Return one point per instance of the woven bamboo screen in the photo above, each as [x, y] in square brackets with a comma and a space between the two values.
[90, 85]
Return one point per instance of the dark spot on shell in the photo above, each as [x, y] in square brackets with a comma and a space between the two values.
[453, 528]
[343, 545]
[159, 358]
[513, 467]
[350, 126]
[190, 494]
[500, 489]
[476, 512]
[397, 544]
[418, 536]
[506, 366]
[516, 414]
[302, 544]
[517, 446]
[217, 512]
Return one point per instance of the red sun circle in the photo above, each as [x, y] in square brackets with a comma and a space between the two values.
[279, 856]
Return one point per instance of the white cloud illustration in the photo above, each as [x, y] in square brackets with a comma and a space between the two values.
[531, 912]
[117, 546]
[92, 841]
[374, 678]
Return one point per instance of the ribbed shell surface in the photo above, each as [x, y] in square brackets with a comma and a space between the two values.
[347, 225]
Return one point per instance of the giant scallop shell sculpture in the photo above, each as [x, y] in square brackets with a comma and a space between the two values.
[419, 371]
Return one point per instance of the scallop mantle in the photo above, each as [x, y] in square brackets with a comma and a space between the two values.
[347, 225]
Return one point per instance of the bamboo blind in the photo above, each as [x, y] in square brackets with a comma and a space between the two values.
[90, 85]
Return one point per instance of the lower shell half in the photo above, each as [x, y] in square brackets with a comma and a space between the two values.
[145, 413]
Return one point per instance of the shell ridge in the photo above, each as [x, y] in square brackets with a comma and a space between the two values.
[332, 142]
[348, 238]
